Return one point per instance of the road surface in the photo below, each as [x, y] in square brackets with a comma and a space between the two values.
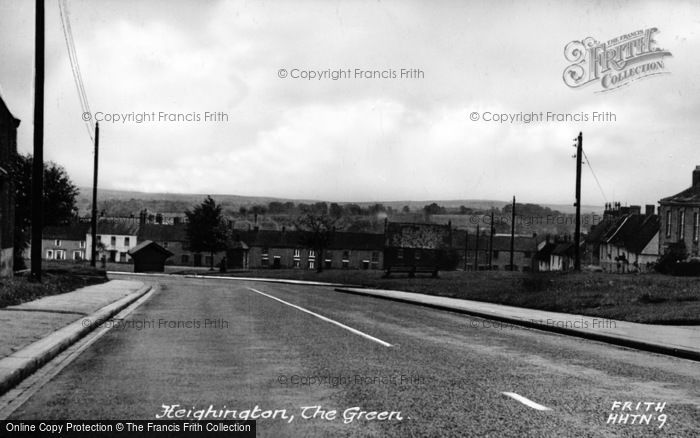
[325, 363]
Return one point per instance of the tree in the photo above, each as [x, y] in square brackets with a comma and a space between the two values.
[59, 200]
[206, 229]
[434, 209]
[320, 229]
[406, 209]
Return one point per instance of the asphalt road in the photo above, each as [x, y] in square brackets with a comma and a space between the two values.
[234, 345]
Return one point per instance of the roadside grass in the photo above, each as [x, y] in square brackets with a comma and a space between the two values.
[57, 278]
[646, 298]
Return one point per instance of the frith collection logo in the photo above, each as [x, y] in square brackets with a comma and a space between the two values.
[614, 63]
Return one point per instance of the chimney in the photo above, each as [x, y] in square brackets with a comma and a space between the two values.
[635, 209]
[696, 176]
[649, 209]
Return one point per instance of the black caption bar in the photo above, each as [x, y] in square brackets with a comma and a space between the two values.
[127, 428]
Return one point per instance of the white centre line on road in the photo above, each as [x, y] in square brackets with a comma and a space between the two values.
[350, 329]
[526, 402]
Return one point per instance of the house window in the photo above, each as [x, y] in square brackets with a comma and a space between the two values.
[122, 257]
[296, 264]
[328, 261]
[60, 254]
[681, 225]
[696, 226]
[375, 260]
[99, 238]
[346, 259]
[113, 241]
[49, 254]
[82, 244]
[127, 241]
[312, 254]
[418, 254]
[668, 223]
[265, 256]
[297, 253]
[77, 255]
[207, 260]
[57, 242]
[185, 259]
[399, 254]
[312, 264]
[365, 264]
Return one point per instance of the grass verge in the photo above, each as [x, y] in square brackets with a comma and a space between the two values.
[644, 298]
[56, 279]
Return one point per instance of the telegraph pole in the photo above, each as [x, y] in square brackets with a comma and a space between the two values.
[491, 243]
[577, 231]
[38, 160]
[466, 249]
[93, 246]
[512, 235]
[476, 250]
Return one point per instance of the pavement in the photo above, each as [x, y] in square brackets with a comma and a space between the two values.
[33, 333]
[679, 341]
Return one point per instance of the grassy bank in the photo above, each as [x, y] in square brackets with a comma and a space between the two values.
[56, 279]
[647, 298]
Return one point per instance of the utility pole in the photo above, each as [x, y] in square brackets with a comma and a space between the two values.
[38, 160]
[577, 231]
[491, 243]
[476, 250]
[512, 235]
[93, 246]
[466, 249]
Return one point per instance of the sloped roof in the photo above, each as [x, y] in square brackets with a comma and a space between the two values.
[163, 233]
[546, 250]
[634, 232]
[689, 196]
[564, 248]
[149, 244]
[126, 227]
[76, 231]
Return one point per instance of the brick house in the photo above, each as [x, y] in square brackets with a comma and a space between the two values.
[287, 249]
[680, 218]
[524, 252]
[8, 149]
[68, 242]
[174, 239]
[632, 243]
[117, 238]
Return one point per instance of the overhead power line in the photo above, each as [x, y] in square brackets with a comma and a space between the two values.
[588, 162]
[75, 66]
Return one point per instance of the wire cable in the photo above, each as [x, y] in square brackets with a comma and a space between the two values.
[75, 66]
[588, 162]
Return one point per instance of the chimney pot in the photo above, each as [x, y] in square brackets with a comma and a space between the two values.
[696, 176]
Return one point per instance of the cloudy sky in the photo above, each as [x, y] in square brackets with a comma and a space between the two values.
[358, 139]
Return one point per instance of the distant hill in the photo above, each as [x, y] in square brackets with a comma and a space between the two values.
[172, 202]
